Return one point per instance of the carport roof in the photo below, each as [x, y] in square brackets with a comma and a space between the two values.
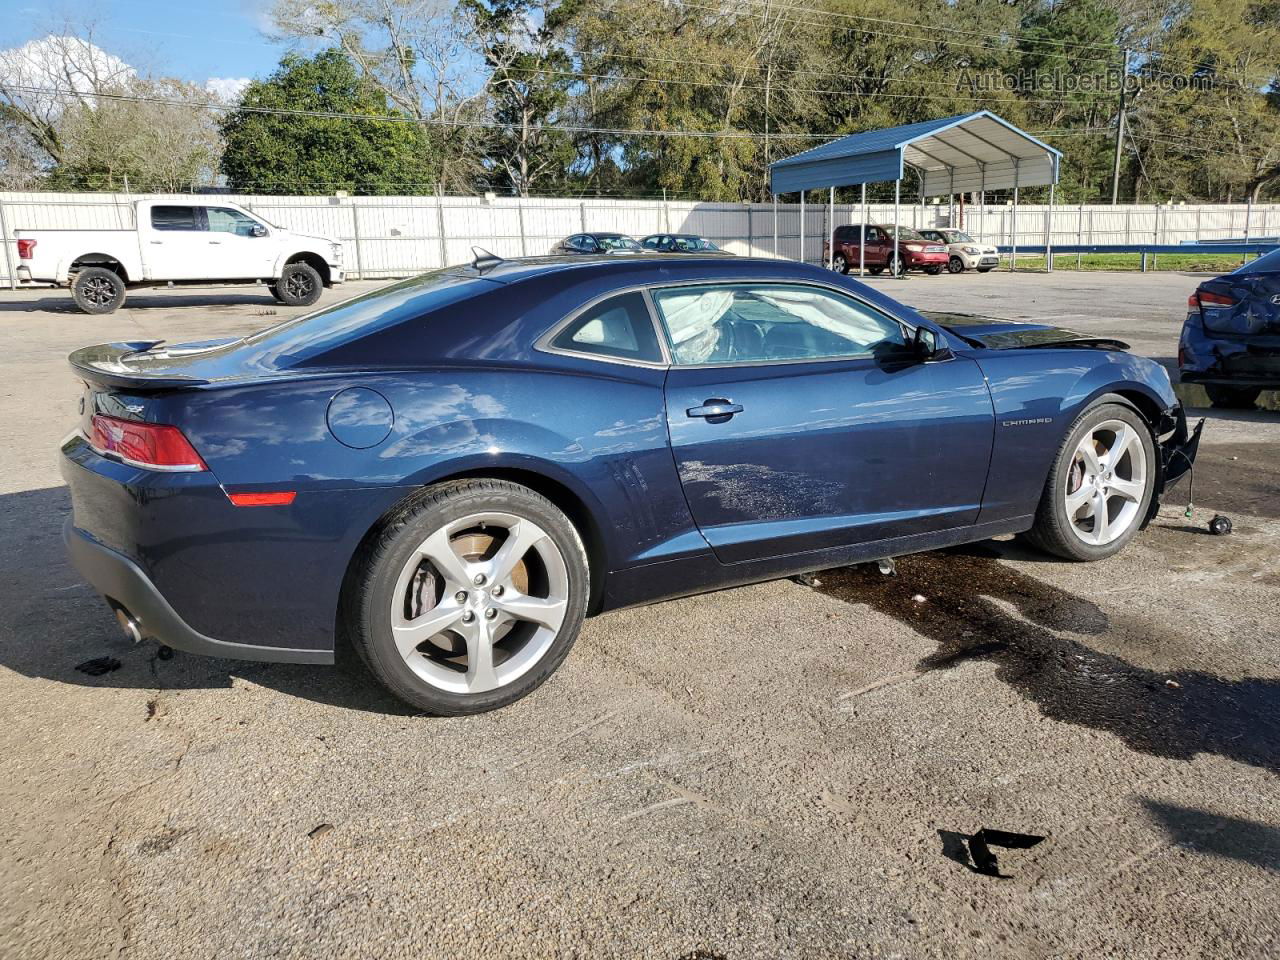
[975, 151]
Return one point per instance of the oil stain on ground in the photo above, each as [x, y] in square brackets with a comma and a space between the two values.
[1068, 680]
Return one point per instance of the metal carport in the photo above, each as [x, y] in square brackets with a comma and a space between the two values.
[974, 152]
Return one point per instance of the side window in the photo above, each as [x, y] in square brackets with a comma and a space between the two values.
[618, 327]
[873, 235]
[650, 243]
[226, 220]
[175, 218]
[846, 235]
[755, 323]
[589, 244]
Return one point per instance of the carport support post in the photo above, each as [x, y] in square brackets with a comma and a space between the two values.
[897, 219]
[1013, 223]
[831, 229]
[1048, 234]
[862, 240]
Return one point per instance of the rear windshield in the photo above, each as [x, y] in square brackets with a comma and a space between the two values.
[297, 340]
[1267, 263]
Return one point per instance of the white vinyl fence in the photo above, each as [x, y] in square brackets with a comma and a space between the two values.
[398, 236]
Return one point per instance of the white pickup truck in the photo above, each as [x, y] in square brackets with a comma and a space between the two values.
[202, 241]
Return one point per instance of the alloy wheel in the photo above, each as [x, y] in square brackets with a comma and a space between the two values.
[98, 290]
[480, 602]
[298, 284]
[1106, 483]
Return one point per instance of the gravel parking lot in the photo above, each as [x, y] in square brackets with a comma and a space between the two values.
[782, 770]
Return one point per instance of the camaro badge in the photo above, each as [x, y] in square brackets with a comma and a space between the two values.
[1024, 423]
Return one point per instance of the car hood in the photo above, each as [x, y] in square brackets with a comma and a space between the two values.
[994, 334]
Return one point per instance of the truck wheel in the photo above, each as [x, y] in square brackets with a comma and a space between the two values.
[299, 285]
[1100, 485]
[97, 290]
[1232, 398]
[839, 264]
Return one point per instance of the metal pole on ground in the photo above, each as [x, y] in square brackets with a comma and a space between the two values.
[355, 228]
[4, 242]
[897, 219]
[862, 240]
[1080, 236]
[1013, 222]
[1248, 222]
[1048, 233]
[444, 248]
[524, 244]
[831, 229]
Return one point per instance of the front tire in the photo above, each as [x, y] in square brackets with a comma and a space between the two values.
[955, 265]
[299, 285]
[1100, 486]
[98, 290]
[896, 266]
[1232, 398]
[469, 597]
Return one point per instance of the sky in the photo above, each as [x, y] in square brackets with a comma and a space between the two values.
[217, 44]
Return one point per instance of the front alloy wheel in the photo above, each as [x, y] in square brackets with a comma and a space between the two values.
[470, 597]
[1099, 489]
[1106, 483]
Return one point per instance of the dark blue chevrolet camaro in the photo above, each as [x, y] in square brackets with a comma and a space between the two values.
[455, 470]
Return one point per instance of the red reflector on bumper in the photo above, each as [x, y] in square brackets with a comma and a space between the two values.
[280, 499]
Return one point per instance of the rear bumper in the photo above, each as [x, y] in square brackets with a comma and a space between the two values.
[124, 585]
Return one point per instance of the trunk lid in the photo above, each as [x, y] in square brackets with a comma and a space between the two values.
[1256, 310]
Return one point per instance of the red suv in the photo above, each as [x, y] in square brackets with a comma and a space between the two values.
[913, 252]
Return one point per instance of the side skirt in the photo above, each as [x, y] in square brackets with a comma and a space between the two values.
[668, 579]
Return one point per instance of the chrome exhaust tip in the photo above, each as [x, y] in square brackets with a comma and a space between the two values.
[132, 629]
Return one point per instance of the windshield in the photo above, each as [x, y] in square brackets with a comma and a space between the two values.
[906, 233]
[617, 243]
[956, 236]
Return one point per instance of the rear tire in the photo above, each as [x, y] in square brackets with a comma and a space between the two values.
[1112, 443]
[299, 285]
[438, 566]
[839, 264]
[875, 271]
[1232, 398]
[933, 271]
[985, 269]
[98, 290]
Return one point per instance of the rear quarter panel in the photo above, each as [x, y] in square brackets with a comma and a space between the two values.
[599, 433]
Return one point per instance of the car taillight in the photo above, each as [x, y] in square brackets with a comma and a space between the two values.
[157, 445]
[1207, 298]
[26, 249]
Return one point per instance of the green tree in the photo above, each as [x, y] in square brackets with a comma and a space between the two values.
[268, 152]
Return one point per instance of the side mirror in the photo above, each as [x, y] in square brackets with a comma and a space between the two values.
[258, 230]
[927, 348]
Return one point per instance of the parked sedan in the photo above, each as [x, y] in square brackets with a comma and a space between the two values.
[1231, 338]
[678, 243]
[453, 471]
[965, 252]
[879, 251]
[597, 243]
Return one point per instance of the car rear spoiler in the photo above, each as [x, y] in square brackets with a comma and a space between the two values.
[125, 365]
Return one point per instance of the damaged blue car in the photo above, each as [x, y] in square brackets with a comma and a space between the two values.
[1230, 340]
[452, 472]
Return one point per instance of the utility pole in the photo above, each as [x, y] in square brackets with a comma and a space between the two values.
[1115, 164]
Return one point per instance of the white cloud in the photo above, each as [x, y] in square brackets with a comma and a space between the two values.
[62, 63]
[227, 89]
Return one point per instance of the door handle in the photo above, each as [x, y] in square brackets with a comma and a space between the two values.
[215, 242]
[157, 243]
[715, 410]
